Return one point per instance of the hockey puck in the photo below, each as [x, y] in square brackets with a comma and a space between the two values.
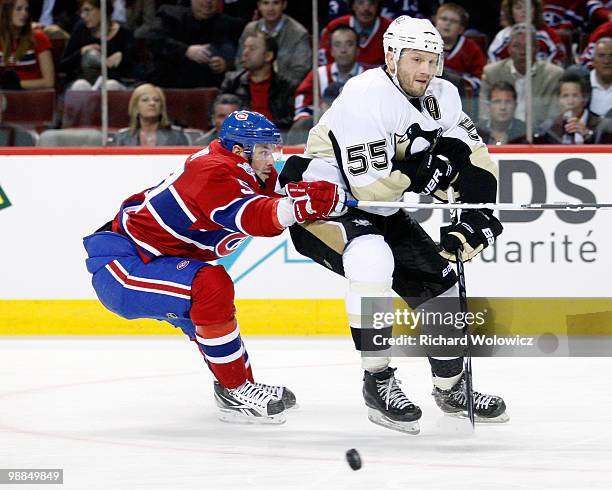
[353, 459]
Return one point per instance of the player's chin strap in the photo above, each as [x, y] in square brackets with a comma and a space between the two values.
[394, 79]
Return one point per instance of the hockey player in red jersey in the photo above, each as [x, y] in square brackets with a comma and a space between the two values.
[153, 259]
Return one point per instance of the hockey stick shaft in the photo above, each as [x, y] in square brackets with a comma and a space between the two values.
[351, 203]
[463, 307]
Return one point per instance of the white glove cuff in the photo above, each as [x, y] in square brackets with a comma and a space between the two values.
[284, 212]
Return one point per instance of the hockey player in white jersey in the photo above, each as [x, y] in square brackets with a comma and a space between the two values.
[392, 130]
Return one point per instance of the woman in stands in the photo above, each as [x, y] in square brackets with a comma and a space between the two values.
[82, 56]
[25, 55]
[550, 47]
[149, 124]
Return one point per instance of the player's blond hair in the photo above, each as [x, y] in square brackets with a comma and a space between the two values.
[133, 105]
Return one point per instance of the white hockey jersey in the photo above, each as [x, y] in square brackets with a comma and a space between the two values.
[364, 141]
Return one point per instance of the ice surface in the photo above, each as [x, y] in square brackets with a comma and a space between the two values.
[138, 413]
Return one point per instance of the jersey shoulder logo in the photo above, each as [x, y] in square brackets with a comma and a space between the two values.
[247, 168]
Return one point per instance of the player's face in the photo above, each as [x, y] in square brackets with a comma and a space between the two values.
[90, 15]
[501, 106]
[271, 10]
[344, 47]
[204, 9]
[415, 70]
[221, 112]
[20, 13]
[263, 158]
[449, 25]
[571, 98]
[149, 105]
[365, 11]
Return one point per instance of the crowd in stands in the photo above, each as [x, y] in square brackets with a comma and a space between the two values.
[257, 55]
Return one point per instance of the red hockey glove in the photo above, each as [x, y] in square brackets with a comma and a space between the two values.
[316, 200]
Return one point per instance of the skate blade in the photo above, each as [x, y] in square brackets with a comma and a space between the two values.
[234, 417]
[500, 419]
[378, 418]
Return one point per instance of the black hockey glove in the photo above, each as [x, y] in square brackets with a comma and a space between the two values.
[433, 173]
[476, 230]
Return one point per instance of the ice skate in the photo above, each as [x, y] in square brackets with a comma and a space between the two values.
[487, 408]
[279, 392]
[388, 406]
[248, 404]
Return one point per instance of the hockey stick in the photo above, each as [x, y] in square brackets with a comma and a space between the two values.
[351, 203]
[467, 358]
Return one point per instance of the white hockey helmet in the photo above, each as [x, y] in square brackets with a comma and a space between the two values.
[409, 33]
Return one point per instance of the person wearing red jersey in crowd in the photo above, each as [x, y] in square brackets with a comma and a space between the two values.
[572, 14]
[462, 55]
[344, 51]
[550, 47]
[153, 260]
[604, 30]
[25, 55]
[370, 27]
[259, 87]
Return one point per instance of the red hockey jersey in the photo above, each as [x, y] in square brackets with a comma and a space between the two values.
[371, 51]
[467, 60]
[204, 210]
[550, 47]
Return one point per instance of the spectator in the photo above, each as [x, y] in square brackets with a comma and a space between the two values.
[223, 106]
[550, 47]
[298, 134]
[56, 18]
[599, 11]
[344, 51]
[544, 78]
[294, 53]
[569, 15]
[193, 46]
[25, 55]
[575, 124]
[586, 58]
[462, 55]
[601, 77]
[502, 127]
[258, 86]
[82, 57]
[10, 134]
[370, 27]
[149, 124]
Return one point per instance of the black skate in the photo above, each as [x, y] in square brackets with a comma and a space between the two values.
[248, 404]
[487, 408]
[279, 392]
[388, 405]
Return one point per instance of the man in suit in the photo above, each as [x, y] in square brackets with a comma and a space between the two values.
[544, 79]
